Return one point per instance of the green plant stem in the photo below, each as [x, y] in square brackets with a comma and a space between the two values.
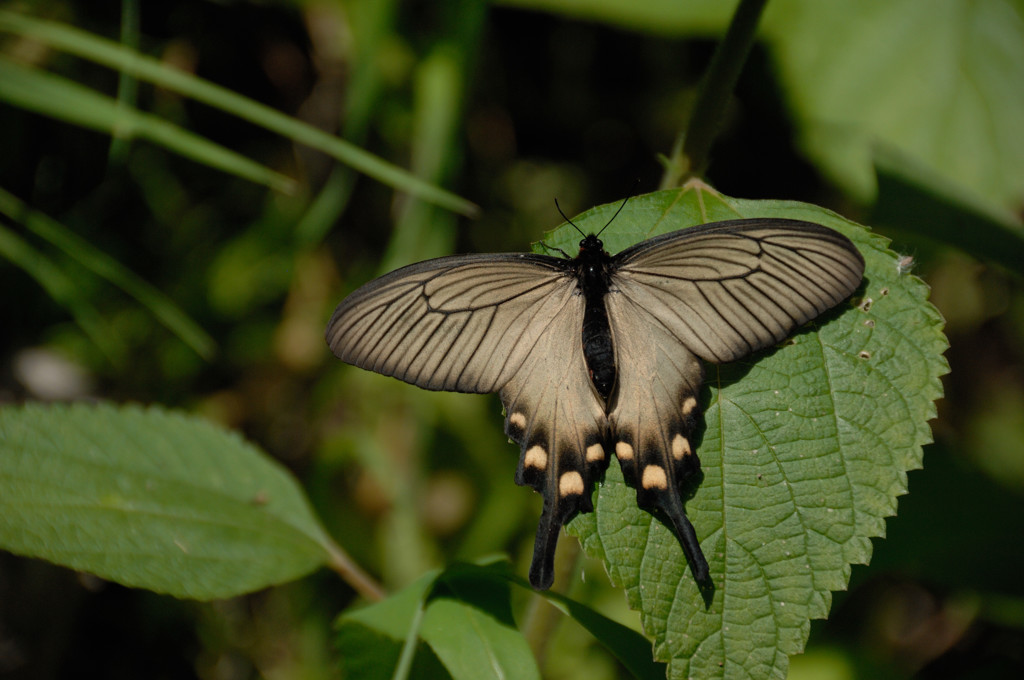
[404, 666]
[127, 84]
[341, 563]
[690, 153]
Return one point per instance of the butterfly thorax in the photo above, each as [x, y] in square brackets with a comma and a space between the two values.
[593, 275]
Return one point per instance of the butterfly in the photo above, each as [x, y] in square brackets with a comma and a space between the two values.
[599, 354]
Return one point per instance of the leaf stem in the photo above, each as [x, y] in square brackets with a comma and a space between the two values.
[690, 153]
[350, 572]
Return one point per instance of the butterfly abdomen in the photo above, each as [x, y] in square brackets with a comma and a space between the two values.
[598, 349]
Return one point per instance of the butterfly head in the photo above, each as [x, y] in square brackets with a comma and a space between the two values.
[592, 264]
[591, 244]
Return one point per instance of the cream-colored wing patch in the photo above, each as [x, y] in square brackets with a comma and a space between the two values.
[654, 415]
[556, 416]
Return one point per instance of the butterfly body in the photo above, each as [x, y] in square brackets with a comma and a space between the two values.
[593, 273]
[599, 354]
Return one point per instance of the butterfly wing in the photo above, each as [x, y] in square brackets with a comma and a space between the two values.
[556, 416]
[464, 323]
[718, 292]
[727, 289]
[505, 323]
[512, 323]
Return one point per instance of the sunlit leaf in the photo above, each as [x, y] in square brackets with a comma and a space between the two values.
[805, 451]
[936, 80]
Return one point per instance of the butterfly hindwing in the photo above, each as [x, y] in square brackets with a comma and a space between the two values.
[654, 416]
[553, 412]
[719, 292]
[509, 323]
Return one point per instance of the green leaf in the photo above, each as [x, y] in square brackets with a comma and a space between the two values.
[805, 452]
[938, 81]
[912, 203]
[935, 81]
[631, 648]
[381, 641]
[456, 623]
[151, 499]
[669, 17]
[469, 626]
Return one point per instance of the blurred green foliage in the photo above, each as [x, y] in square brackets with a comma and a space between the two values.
[510, 108]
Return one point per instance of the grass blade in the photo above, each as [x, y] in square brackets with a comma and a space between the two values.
[104, 266]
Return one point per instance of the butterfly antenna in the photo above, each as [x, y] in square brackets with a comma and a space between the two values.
[624, 201]
[566, 218]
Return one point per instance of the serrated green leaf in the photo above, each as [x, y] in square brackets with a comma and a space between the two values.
[152, 499]
[805, 451]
